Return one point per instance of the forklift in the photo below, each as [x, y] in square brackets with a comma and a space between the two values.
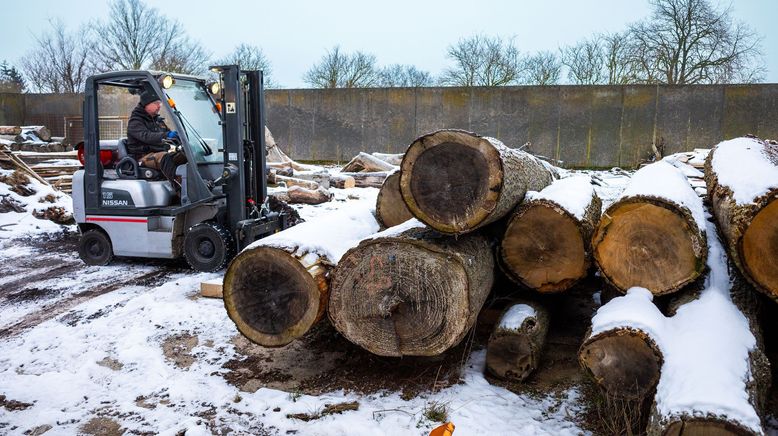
[124, 209]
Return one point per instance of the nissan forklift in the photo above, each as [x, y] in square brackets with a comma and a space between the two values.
[124, 209]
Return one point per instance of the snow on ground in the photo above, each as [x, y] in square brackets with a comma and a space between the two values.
[14, 224]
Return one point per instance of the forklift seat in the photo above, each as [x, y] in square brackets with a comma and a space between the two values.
[129, 168]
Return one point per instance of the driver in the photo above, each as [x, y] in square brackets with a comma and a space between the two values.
[148, 138]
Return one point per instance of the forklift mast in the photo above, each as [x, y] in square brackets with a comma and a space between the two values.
[245, 182]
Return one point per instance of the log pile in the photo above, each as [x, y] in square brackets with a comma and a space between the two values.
[36, 139]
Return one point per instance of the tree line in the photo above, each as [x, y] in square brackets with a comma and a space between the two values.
[681, 42]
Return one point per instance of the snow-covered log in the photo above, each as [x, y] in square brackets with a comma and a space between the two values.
[410, 291]
[277, 287]
[517, 341]
[364, 162]
[547, 243]
[715, 376]
[277, 179]
[456, 181]
[390, 209]
[368, 179]
[342, 181]
[621, 351]
[653, 235]
[742, 179]
[392, 159]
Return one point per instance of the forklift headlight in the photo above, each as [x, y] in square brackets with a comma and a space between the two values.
[214, 88]
[167, 81]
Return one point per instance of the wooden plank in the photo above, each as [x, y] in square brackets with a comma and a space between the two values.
[211, 288]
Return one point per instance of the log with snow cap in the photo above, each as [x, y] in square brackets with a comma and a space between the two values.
[547, 243]
[390, 209]
[514, 348]
[715, 375]
[410, 291]
[742, 179]
[653, 235]
[456, 181]
[277, 288]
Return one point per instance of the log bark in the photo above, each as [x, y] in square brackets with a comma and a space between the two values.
[280, 170]
[41, 132]
[392, 159]
[650, 240]
[390, 208]
[341, 181]
[321, 177]
[298, 194]
[364, 162]
[546, 245]
[456, 181]
[10, 130]
[515, 346]
[368, 180]
[276, 289]
[749, 226]
[415, 293]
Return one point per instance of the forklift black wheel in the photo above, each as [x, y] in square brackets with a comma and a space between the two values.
[208, 247]
[95, 248]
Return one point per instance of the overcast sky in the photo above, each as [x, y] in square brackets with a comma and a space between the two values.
[295, 34]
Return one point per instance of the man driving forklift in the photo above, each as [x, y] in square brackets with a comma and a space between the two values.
[149, 138]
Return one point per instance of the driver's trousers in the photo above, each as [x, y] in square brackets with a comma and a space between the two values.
[166, 162]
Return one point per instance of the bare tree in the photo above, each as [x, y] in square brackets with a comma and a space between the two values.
[620, 67]
[690, 41]
[343, 70]
[542, 68]
[483, 61]
[585, 61]
[60, 60]
[137, 36]
[407, 76]
[250, 57]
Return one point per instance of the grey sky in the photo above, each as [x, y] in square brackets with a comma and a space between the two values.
[295, 34]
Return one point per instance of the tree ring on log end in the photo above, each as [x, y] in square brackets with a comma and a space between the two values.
[758, 248]
[451, 180]
[543, 248]
[625, 363]
[270, 296]
[648, 243]
[400, 299]
[705, 427]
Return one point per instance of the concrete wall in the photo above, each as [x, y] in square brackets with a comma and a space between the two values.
[583, 126]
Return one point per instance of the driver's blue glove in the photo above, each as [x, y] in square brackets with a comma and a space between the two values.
[172, 134]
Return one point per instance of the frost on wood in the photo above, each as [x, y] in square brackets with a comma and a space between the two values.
[415, 293]
[653, 235]
[277, 287]
[514, 348]
[742, 180]
[456, 181]
[546, 245]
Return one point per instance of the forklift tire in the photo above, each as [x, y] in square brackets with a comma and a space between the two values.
[208, 247]
[95, 248]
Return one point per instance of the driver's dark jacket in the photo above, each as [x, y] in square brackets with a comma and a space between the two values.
[145, 133]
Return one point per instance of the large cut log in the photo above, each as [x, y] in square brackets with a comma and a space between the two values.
[653, 235]
[715, 377]
[368, 180]
[41, 132]
[342, 181]
[322, 177]
[621, 351]
[410, 291]
[10, 130]
[276, 179]
[277, 288]
[742, 180]
[364, 162]
[517, 341]
[390, 209]
[547, 243]
[300, 195]
[272, 172]
[392, 159]
[456, 181]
